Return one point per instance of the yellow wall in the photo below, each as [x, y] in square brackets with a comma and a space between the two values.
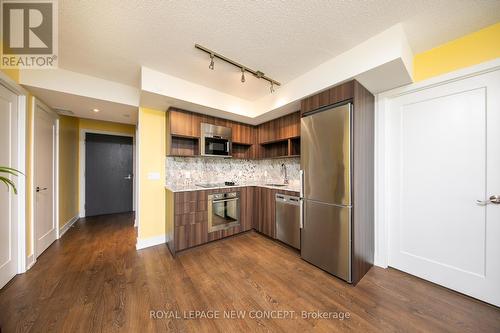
[12, 73]
[68, 169]
[106, 126]
[151, 140]
[471, 49]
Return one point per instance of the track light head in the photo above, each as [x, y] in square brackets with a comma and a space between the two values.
[272, 87]
[211, 66]
[243, 75]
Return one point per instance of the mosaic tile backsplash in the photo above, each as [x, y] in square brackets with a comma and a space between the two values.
[181, 171]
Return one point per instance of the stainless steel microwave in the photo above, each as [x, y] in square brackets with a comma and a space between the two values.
[215, 140]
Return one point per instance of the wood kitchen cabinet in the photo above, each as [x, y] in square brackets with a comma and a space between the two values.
[187, 217]
[273, 139]
[279, 129]
[183, 133]
[331, 96]
[243, 140]
[280, 137]
[242, 133]
[184, 123]
[267, 210]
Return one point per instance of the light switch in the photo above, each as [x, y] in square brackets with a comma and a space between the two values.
[153, 175]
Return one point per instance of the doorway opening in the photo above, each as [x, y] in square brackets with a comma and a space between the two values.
[107, 177]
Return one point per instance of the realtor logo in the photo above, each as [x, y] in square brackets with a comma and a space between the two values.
[29, 34]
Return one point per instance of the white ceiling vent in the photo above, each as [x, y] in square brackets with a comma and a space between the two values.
[64, 112]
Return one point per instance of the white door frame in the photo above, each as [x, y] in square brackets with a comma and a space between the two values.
[36, 102]
[81, 163]
[22, 94]
[382, 152]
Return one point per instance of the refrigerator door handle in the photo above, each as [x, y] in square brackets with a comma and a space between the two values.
[301, 174]
[301, 213]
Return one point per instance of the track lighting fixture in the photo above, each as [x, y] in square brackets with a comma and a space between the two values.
[211, 66]
[242, 74]
[257, 74]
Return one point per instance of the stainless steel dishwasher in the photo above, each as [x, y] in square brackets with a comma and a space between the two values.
[288, 220]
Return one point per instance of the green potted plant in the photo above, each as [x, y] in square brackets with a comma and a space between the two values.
[4, 174]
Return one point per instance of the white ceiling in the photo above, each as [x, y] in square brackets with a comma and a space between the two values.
[82, 106]
[112, 39]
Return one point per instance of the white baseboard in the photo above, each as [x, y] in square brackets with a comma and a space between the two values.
[30, 261]
[68, 225]
[152, 241]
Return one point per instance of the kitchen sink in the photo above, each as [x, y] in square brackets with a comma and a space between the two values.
[277, 185]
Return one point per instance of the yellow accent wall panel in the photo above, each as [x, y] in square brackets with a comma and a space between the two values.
[107, 126]
[68, 169]
[12, 73]
[471, 49]
[151, 140]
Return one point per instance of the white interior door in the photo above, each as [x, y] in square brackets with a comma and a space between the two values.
[444, 155]
[8, 201]
[44, 179]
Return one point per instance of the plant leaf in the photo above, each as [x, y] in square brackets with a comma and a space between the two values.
[10, 170]
[8, 183]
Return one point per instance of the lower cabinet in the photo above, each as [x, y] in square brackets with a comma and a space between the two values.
[265, 208]
[187, 219]
[187, 215]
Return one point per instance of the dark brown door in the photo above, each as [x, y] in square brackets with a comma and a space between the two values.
[108, 174]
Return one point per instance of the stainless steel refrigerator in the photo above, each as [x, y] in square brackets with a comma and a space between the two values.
[326, 162]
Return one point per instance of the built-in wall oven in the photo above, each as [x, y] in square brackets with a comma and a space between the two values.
[223, 211]
[215, 140]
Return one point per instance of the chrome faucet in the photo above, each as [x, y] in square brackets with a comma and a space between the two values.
[284, 173]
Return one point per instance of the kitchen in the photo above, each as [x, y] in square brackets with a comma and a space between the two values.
[279, 178]
[277, 166]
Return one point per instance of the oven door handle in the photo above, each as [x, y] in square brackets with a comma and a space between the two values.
[225, 200]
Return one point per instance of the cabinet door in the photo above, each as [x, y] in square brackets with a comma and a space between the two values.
[247, 208]
[181, 123]
[196, 120]
[257, 208]
[263, 132]
[289, 126]
[268, 212]
[242, 133]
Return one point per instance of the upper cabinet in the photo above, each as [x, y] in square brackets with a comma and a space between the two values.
[280, 137]
[276, 138]
[242, 133]
[331, 96]
[282, 128]
[184, 123]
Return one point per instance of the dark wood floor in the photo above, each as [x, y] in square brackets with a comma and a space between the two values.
[93, 280]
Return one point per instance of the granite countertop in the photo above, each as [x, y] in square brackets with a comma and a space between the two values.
[185, 188]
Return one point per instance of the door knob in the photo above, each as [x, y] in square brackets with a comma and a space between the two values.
[38, 188]
[494, 199]
[128, 177]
